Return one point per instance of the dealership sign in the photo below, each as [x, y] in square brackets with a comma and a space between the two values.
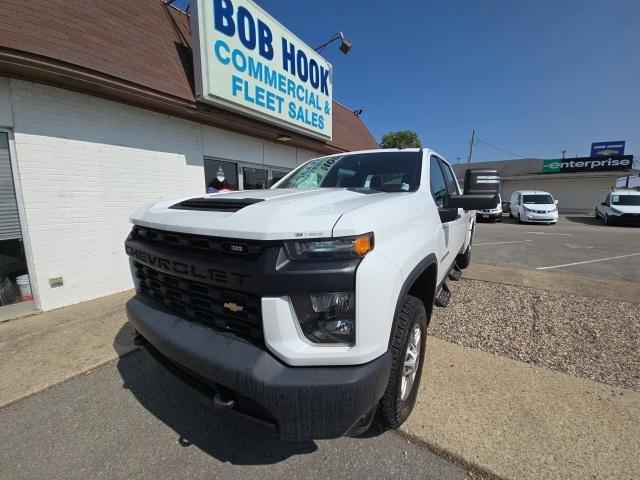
[248, 62]
[588, 164]
[606, 149]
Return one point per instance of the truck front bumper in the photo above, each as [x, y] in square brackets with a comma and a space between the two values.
[302, 402]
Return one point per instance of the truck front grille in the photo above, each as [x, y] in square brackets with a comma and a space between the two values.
[213, 246]
[219, 308]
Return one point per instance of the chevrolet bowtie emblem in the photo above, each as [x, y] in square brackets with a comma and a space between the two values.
[234, 307]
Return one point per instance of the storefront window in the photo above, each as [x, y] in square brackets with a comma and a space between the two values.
[14, 280]
[220, 176]
[255, 178]
[278, 175]
[224, 176]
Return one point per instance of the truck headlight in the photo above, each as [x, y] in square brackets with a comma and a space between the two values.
[327, 317]
[527, 209]
[329, 248]
[617, 212]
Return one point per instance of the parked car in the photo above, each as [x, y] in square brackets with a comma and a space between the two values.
[533, 206]
[491, 213]
[619, 206]
[306, 305]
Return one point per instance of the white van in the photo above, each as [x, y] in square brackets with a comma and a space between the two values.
[619, 205]
[533, 206]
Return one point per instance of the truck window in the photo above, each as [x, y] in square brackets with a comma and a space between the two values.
[384, 172]
[437, 181]
[450, 179]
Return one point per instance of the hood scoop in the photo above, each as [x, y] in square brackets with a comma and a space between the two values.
[216, 204]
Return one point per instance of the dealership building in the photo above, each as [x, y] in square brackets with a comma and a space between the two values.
[574, 182]
[107, 106]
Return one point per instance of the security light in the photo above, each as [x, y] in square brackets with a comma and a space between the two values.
[345, 45]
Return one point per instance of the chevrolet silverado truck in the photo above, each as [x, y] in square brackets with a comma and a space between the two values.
[306, 305]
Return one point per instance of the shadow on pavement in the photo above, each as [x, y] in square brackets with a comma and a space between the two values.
[227, 437]
[585, 220]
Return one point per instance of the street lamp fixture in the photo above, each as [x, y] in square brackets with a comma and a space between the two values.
[345, 45]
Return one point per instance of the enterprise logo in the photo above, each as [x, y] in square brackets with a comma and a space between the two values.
[586, 164]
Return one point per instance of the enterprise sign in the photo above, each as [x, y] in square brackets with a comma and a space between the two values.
[588, 164]
[248, 62]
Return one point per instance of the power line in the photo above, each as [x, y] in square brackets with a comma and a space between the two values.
[502, 149]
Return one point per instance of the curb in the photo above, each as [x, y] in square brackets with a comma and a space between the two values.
[470, 466]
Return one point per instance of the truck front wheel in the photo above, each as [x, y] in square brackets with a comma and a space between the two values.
[407, 348]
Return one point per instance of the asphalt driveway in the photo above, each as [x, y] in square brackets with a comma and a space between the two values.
[132, 419]
[577, 244]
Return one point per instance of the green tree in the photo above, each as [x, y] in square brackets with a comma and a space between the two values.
[400, 139]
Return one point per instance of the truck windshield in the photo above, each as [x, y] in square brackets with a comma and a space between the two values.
[628, 200]
[537, 199]
[384, 171]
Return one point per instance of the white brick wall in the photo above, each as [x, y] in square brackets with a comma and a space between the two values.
[84, 164]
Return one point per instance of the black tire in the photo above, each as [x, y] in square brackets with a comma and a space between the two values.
[510, 214]
[519, 221]
[393, 410]
[606, 219]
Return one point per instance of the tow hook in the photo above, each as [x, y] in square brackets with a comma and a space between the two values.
[222, 403]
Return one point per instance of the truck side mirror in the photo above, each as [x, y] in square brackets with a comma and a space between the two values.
[556, 202]
[472, 202]
[481, 187]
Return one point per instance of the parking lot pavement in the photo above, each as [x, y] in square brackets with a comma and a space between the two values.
[132, 419]
[577, 244]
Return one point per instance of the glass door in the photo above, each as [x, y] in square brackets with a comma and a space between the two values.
[15, 285]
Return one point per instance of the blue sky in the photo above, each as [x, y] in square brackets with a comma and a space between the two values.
[532, 77]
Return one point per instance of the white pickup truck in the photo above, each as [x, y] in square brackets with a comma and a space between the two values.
[306, 306]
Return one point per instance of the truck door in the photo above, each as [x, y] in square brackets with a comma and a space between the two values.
[443, 184]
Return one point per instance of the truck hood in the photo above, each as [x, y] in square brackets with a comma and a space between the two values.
[282, 213]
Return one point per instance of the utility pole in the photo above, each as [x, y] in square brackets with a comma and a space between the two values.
[473, 139]
[563, 152]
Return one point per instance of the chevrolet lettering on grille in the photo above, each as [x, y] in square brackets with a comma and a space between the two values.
[182, 268]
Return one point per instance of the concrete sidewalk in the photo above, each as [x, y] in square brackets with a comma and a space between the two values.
[512, 420]
[51, 347]
[502, 417]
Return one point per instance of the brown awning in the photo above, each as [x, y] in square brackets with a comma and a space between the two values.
[135, 52]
